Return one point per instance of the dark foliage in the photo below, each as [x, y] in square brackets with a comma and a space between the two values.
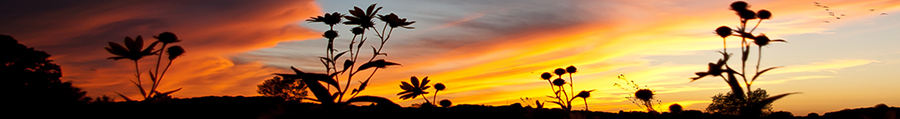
[31, 81]
[730, 104]
[287, 89]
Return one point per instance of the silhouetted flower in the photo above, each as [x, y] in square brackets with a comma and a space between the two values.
[763, 40]
[559, 82]
[739, 5]
[546, 76]
[571, 69]
[362, 18]
[131, 50]
[357, 30]
[746, 14]
[764, 14]
[559, 71]
[174, 52]
[415, 89]
[439, 86]
[723, 31]
[330, 34]
[446, 103]
[584, 94]
[394, 21]
[330, 19]
[644, 94]
[167, 37]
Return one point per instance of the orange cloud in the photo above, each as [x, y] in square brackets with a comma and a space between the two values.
[74, 33]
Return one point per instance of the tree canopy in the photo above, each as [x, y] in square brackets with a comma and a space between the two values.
[32, 79]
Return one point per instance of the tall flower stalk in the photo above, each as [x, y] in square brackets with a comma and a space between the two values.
[133, 50]
[562, 96]
[721, 66]
[362, 19]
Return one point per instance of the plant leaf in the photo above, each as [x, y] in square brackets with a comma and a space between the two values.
[296, 70]
[746, 53]
[123, 96]
[362, 86]
[375, 99]
[347, 64]
[338, 56]
[170, 92]
[764, 71]
[143, 92]
[380, 63]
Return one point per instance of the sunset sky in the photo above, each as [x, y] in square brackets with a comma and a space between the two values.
[486, 52]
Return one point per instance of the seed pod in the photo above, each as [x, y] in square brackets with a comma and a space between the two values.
[439, 86]
[167, 37]
[764, 14]
[723, 31]
[445, 103]
[559, 82]
[174, 52]
[559, 71]
[546, 76]
[571, 69]
[739, 5]
[330, 34]
[644, 94]
[357, 30]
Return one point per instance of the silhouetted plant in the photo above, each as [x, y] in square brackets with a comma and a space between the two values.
[563, 99]
[437, 88]
[716, 69]
[528, 101]
[134, 50]
[287, 89]
[642, 97]
[675, 108]
[584, 94]
[363, 20]
[446, 103]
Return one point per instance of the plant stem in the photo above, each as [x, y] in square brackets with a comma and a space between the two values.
[426, 99]
[585, 104]
[435, 96]
[158, 60]
[164, 71]
[139, 83]
[571, 85]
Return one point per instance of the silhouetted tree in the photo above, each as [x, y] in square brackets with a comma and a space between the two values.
[287, 89]
[730, 104]
[33, 81]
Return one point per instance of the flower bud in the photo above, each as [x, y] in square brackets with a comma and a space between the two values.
[723, 31]
[764, 14]
[445, 103]
[167, 37]
[739, 5]
[559, 82]
[330, 34]
[439, 86]
[174, 52]
[571, 69]
[546, 76]
[559, 71]
[357, 30]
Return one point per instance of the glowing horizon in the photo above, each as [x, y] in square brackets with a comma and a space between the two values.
[492, 55]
